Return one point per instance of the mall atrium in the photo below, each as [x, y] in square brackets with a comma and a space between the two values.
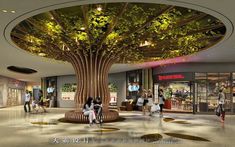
[164, 71]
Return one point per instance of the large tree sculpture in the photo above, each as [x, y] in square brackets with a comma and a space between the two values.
[94, 37]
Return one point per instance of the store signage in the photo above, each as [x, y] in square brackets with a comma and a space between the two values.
[174, 77]
[171, 77]
[68, 95]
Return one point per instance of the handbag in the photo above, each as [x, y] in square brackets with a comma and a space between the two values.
[140, 102]
[155, 108]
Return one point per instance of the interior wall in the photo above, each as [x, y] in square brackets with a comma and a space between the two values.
[61, 80]
[119, 79]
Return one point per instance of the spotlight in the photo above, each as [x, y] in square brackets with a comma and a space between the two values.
[99, 8]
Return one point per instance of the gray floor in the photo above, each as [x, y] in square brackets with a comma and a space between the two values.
[20, 129]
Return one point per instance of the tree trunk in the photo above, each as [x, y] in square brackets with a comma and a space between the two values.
[92, 78]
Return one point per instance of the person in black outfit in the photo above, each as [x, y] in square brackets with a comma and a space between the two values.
[98, 108]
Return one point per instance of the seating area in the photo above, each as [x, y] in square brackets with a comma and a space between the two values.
[129, 106]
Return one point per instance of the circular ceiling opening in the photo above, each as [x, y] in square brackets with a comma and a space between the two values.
[22, 70]
[124, 32]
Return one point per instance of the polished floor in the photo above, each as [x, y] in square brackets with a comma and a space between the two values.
[21, 129]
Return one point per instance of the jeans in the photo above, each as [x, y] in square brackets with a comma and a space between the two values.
[222, 111]
[25, 109]
[161, 106]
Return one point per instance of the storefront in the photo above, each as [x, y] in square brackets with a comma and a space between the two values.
[178, 90]
[49, 87]
[207, 86]
[11, 92]
[134, 84]
[196, 92]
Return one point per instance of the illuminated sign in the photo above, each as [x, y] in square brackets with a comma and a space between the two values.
[171, 77]
[182, 76]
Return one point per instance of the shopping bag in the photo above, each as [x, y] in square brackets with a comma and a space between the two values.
[140, 102]
[155, 108]
[217, 111]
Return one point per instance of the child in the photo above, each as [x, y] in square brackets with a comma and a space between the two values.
[34, 105]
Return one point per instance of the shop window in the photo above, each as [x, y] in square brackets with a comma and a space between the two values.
[134, 83]
[207, 90]
[200, 76]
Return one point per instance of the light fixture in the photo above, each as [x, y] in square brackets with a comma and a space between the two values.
[13, 11]
[146, 43]
[42, 54]
[99, 8]
[82, 28]
[4, 11]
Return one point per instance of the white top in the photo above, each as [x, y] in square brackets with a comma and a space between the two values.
[161, 99]
[150, 102]
[221, 98]
[27, 97]
[50, 90]
[89, 108]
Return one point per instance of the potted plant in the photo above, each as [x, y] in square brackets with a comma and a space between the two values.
[168, 95]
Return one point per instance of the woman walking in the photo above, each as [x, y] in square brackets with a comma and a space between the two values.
[221, 101]
[161, 101]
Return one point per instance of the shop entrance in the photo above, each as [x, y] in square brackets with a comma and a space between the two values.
[207, 86]
[178, 95]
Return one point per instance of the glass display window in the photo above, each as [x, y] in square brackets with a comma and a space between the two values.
[207, 90]
[134, 84]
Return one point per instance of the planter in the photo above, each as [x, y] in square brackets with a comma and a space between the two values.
[167, 104]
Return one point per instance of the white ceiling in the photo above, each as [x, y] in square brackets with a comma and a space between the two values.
[10, 54]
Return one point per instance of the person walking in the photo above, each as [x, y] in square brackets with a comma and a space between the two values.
[145, 97]
[50, 95]
[221, 102]
[161, 101]
[150, 101]
[27, 101]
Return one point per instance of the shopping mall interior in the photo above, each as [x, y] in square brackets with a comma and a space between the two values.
[125, 52]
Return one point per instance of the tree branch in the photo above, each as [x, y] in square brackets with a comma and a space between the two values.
[85, 18]
[112, 25]
[147, 23]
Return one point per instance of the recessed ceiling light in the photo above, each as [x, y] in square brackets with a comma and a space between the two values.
[4, 11]
[13, 11]
[99, 8]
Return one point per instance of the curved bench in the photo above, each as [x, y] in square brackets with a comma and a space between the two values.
[79, 117]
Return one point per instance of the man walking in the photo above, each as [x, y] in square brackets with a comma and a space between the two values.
[27, 101]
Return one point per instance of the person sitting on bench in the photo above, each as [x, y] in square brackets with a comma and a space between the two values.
[88, 110]
[98, 108]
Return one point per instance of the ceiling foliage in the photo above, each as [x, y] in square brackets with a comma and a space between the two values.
[128, 32]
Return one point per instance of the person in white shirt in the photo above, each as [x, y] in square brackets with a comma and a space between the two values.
[161, 100]
[27, 101]
[88, 110]
[50, 94]
[221, 101]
